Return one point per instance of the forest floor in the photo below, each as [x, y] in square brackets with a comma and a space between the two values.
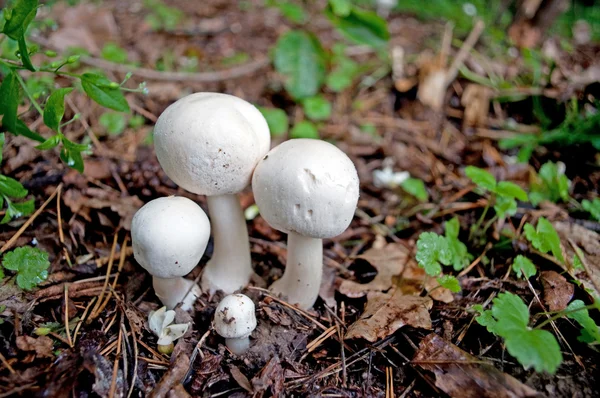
[412, 342]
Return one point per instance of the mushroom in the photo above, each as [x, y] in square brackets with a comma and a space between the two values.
[209, 144]
[169, 236]
[308, 189]
[235, 320]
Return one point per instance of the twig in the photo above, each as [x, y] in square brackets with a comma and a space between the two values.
[95, 311]
[476, 261]
[464, 51]
[67, 330]
[120, 267]
[5, 363]
[16, 236]
[61, 235]
[113, 383]
[82, 319]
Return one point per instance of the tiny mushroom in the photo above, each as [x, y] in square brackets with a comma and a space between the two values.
[308, 189]
[209, 144]
[161, 324]
[169, 236]
[235, 320]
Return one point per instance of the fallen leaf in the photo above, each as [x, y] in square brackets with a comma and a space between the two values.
[460, 374]
[388, 261]
[270, 377]
[386, 313]
[476, 100]
[589, 242]
[41, 345]
[558, 292]
[414, 279]
[241, 379]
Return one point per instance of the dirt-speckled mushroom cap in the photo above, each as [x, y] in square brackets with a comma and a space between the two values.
[235, 317]
[169, 236]
[209, 143]
[306, 186]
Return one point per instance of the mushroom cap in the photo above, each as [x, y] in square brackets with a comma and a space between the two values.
[306, 186]
[235, 317]
[169, 236]
[209, 143]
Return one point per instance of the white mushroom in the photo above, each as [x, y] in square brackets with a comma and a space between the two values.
[209, 144]
[169, 236]
[235, 320]
[308, 189]
[161, 324]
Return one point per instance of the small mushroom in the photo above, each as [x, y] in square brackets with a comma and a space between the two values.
[235, 320]
[309, 190]
[169, 236]
[209, 144]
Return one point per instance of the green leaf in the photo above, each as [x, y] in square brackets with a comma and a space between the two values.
[485, 318]
[304, 129]
[21, 15]
[511, 313]
[341, 8]
[24, 53]
[299, 57]
[452, 228]
[112, 52]
[361, 26]
[511, 190]
[535, 348]
[113, 122]
[30, 263]
[71, 154]
[342, 75]
[481, 178]
[11, 187]
[592, 207]
[449, 282]
[50, 143]
[104, 92]
[10, 96]
[505, 206]
[550, 184]
[293, 12]
[590, 332]
[432, 252]
[23, 130]
[2, 140]
[524, 267]
[544, 238]
[317, 108]
[55, 108]
[16, 210]
[415, 187]
[277, 120]
[1, 277]
[458, 251]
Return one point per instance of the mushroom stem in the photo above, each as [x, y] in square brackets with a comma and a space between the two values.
[302, 277]
[238, 346]
[230, 267]
[172, 291]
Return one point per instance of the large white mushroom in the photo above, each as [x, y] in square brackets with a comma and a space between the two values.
[209, 144]
[309, 190]
[169, 236]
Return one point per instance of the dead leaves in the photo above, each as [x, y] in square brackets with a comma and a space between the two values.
[388, 261]
[386, 313]
[41, 345]
[558, 292]
[460, 374]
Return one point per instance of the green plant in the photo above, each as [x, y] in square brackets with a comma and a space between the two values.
[30, 263]
[592, 207]
[304, 129]
[434, 250]
[590, 333]
[113, 122]
[509, 319]
[503, 196]
[523, 267]
[415, 187]
[114, 53]
[277, 120]
[161, 16]
[10, 191]
[550, 184]
[544, 238]
[317, 108]
[36, 87]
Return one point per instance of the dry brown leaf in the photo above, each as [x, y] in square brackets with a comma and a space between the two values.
[460, 374]
[386, 313]
[414, 278]
[558, 292]
[476, 100]
[241, 379]
[589, 242]
[41, 345]
[388, 261]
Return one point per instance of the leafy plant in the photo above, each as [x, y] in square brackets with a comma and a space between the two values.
[550, 184]
[304, 129]
[503, 196]
[434, 250]
[113, 122]
[30, 263]
[161, 16]
[317, 108]
[592, 207]
[277, 120]
[544, 238]
[114, 53]
[590, 333]
[524, 267]
[532, 347]
[415, 187]
[10, 191]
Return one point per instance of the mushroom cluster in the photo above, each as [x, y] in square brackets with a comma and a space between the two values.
[216, 144]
